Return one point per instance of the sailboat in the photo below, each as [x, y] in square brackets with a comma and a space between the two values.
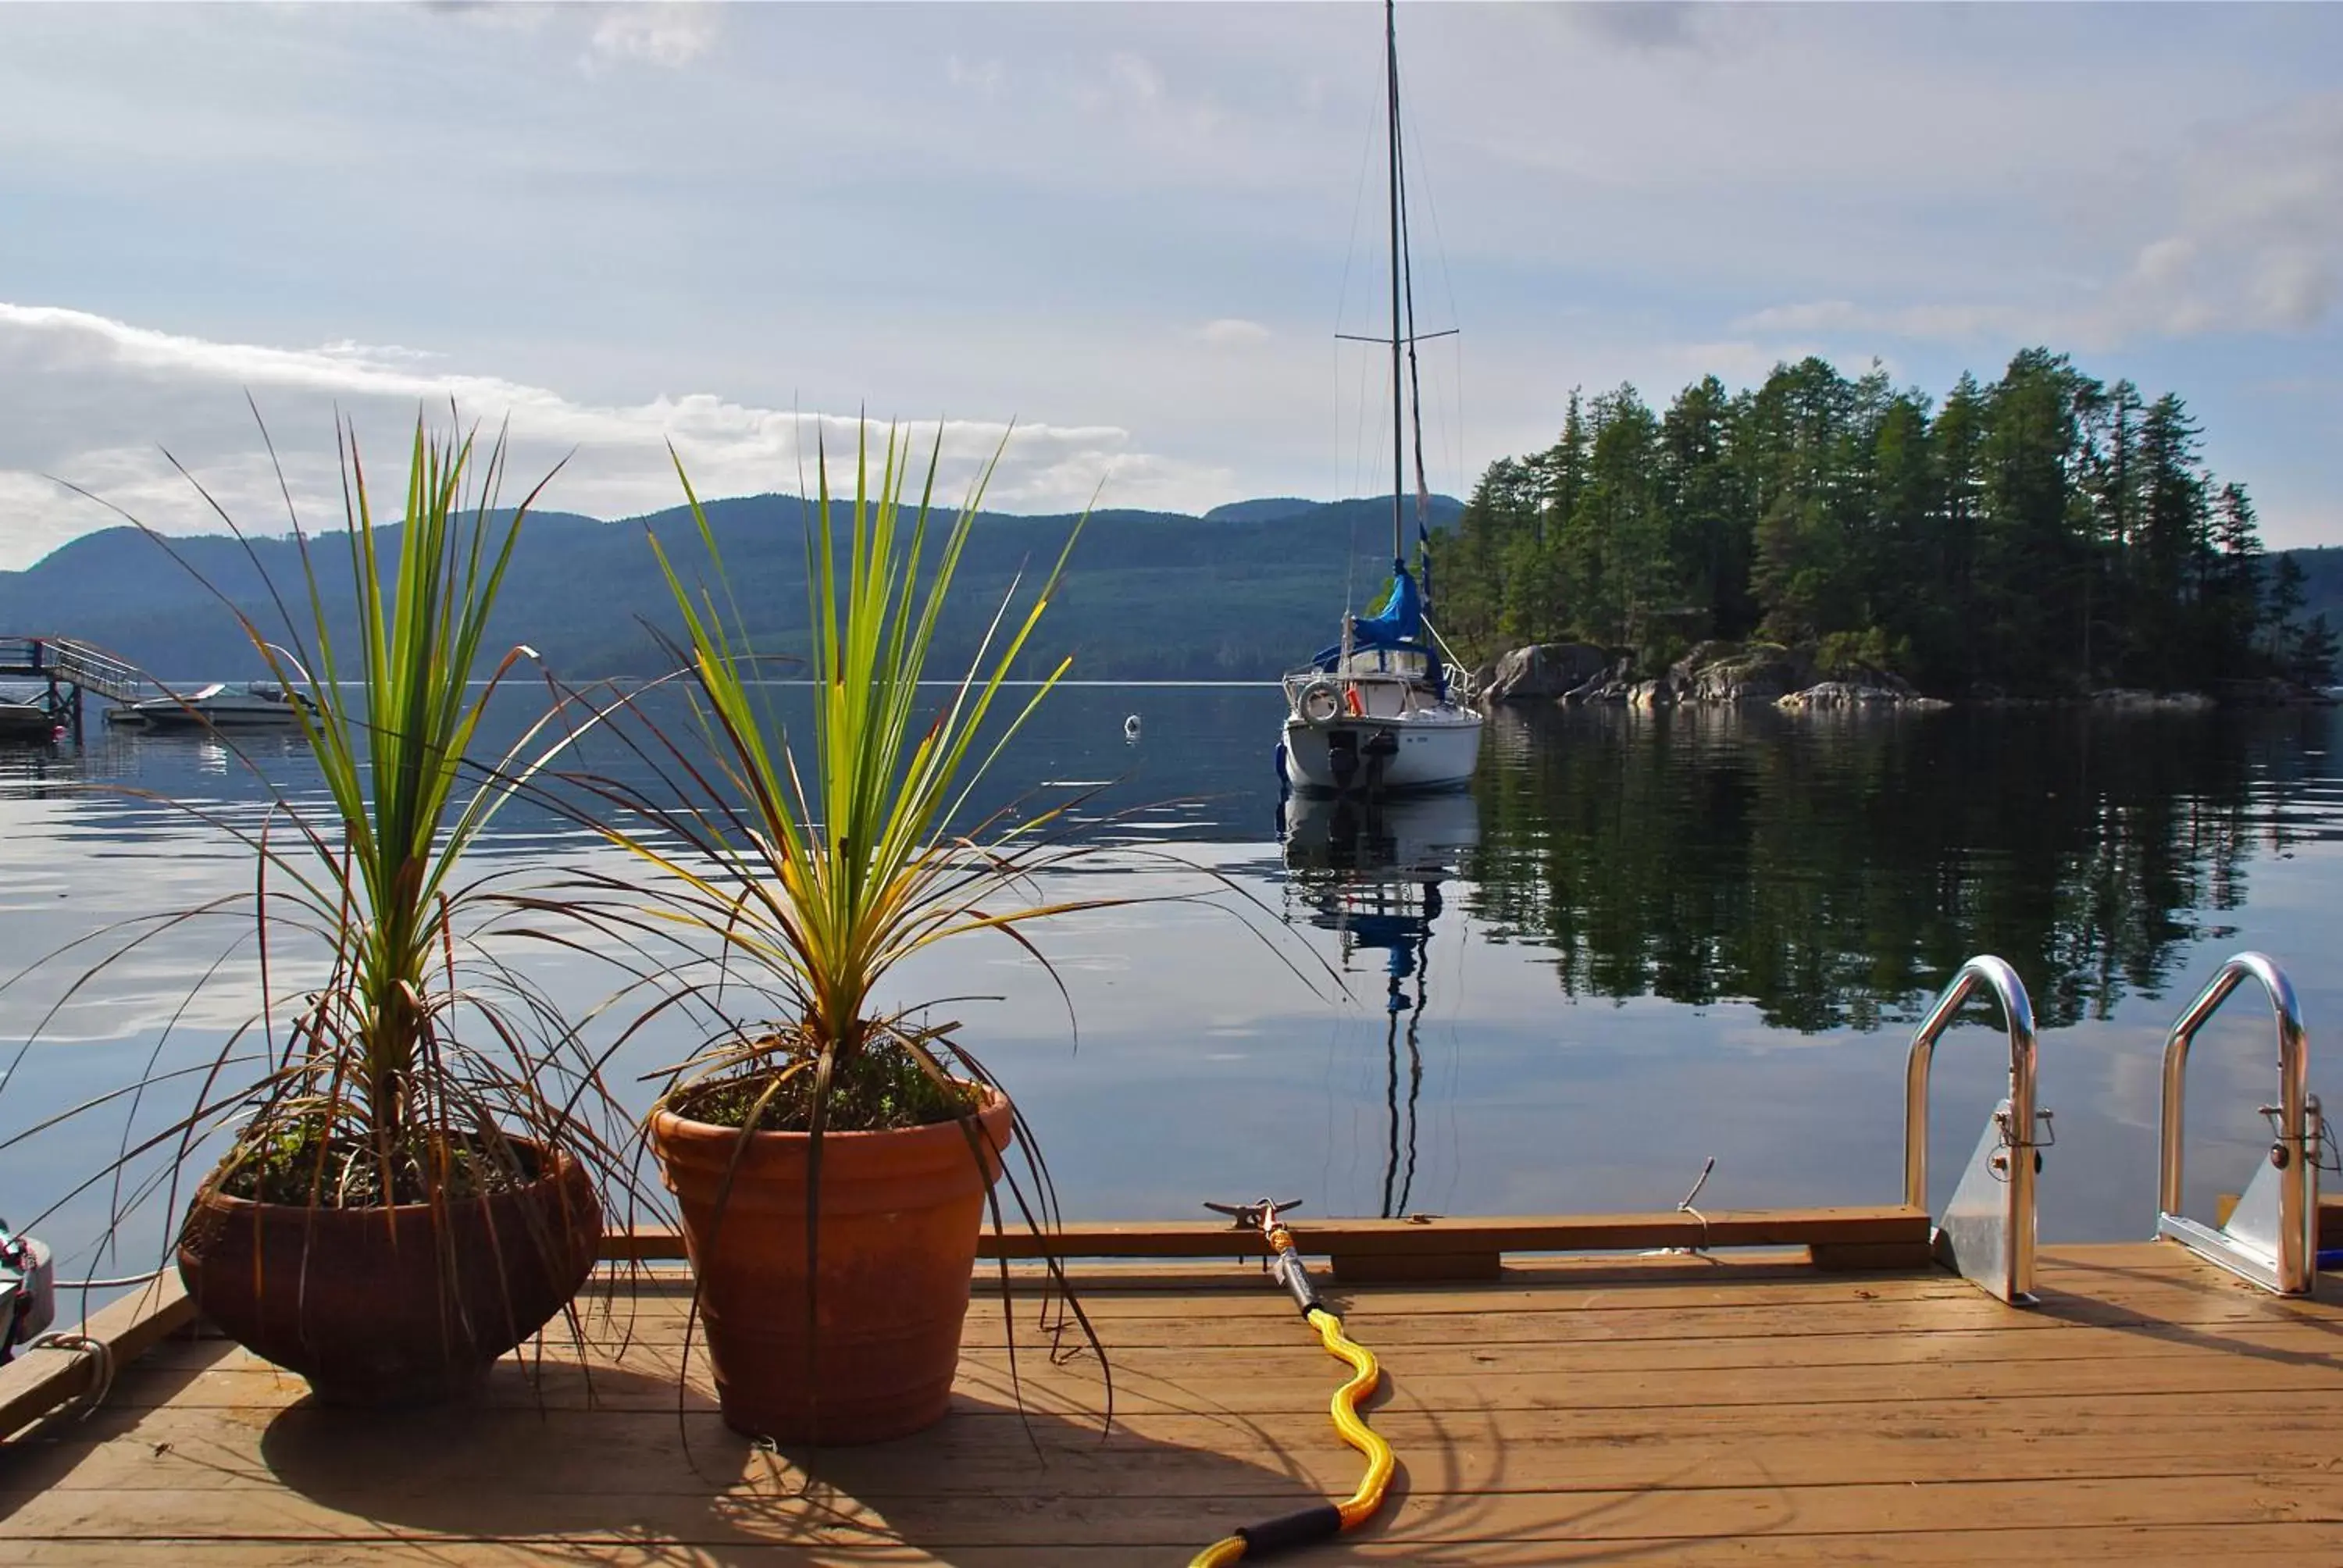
[1377, 713]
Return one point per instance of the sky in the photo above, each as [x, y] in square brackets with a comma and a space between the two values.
[1123, 236]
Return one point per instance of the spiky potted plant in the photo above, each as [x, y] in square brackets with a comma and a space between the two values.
[402, 1198]
[833, 1161]
[404, 1205]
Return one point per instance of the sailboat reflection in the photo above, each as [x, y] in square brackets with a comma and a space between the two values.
[1371, 871]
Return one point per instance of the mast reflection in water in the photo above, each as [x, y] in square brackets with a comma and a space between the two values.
[1370, 872]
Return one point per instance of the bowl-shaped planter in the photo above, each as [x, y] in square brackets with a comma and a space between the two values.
[901, 1212]
[400, 1304]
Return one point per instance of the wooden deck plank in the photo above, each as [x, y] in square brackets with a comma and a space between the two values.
[1900, 1345]
[38, 1381]
[2150, 1409]
[1248, 1383]
[939, 1523]
[560, 1453]
[1418, 1235]
[2182, 1547]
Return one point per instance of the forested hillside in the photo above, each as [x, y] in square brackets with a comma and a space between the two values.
[1245, 594]
[2046, 533]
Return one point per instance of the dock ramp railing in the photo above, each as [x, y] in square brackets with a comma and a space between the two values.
[2271, 1236]
[1986, 1234]
[61, 661]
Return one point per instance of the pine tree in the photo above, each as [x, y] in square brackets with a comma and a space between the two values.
[2043, 533]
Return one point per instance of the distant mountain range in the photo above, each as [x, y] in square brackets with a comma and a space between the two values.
[1241, 593]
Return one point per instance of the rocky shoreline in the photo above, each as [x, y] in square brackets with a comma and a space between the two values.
[1761, 673]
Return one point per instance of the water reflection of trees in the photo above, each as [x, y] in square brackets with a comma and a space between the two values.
[1833, 871]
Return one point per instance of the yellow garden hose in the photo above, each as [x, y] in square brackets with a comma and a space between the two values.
[1327, 1520]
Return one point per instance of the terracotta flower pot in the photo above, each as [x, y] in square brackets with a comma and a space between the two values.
[901, 1212]
[392, 1305]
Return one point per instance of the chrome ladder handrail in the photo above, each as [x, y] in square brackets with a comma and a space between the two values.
[2001, 1245]
[2287, 1261]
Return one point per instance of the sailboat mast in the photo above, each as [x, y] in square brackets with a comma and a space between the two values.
[1399, 459]
[1415, 383]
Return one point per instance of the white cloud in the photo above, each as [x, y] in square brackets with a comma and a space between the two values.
[670, 32]
[1233, 332]
[1842, 318]
[2250, 239]
[1646, 23]
[2259, 237]
[986, 75]
[1134, 78]
[106, 389]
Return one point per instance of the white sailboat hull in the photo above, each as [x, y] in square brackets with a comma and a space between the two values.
[1432, 750]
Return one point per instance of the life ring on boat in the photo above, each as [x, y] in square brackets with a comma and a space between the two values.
[1320, 703]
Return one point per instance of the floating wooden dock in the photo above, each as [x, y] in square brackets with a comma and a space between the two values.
[2148, 1408]
[66, 670]
[1799, 1386]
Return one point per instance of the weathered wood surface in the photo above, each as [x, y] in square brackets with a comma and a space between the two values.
[38, 1381]
[1892, 1225]
[2151, 1410]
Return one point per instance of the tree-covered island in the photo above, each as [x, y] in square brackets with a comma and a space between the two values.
[2045, 535]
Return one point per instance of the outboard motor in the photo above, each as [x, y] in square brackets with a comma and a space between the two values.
[29, 1294]
[1343, 757]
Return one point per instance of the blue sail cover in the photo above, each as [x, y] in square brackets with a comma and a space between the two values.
[1395, 622]
[1397, 618]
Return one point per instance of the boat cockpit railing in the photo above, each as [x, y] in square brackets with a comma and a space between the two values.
[2271, 1236]
[1987, 1232]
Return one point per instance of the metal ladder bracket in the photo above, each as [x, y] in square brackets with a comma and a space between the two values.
[2249, 1245]
[2272, 1237]
[1974, 1239]
[1988, 1232]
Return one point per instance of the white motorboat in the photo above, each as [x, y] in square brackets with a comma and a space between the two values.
[261, 704]
[1376, 713]
[23, 721]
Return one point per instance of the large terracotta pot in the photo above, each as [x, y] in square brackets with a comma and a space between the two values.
[901, 1212]
[392, 1305]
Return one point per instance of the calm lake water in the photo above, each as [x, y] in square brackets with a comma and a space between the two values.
[1638, 942]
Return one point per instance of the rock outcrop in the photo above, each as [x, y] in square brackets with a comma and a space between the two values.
[2127, 700]
[1544, 671]
[1741, 673]
[2272, 692]
[1850, 694]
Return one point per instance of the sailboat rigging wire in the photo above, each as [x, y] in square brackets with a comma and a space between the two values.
[1399, 462]
[1428, 189]
[1414, 381]
[1449, 654]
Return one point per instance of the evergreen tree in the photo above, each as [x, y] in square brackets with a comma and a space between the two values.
[2235, 590]
[2174, 521]
[1708, 541]
[2046, 533]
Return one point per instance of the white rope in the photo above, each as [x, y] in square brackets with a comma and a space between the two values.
[123, 1283]
[101, 1377]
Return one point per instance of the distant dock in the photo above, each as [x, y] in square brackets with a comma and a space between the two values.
[66, 670]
